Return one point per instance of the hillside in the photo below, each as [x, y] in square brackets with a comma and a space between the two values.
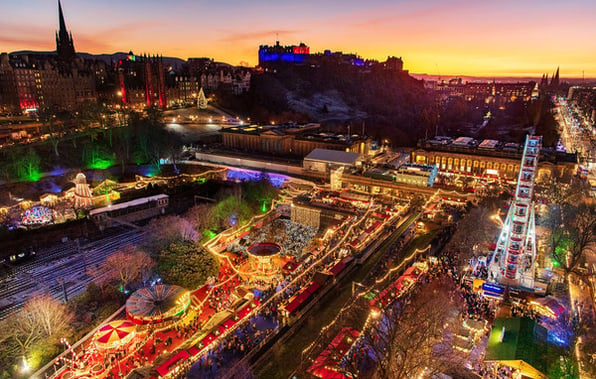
[390, 104]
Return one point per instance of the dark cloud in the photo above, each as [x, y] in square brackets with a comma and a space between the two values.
[257, 35]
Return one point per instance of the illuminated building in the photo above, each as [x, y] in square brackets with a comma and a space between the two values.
[300, 54]
[287, 54]
[324, 160]
[513, 261]
[142, 81]
[467, 157]
[488, 92]
[290, 139]
[33, 81]
[412, 174]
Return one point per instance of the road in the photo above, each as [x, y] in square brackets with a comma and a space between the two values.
[574, 136]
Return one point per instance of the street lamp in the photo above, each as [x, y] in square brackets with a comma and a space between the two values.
[25, 368]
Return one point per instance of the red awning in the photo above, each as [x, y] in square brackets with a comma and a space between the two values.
[313, 287]
[337, 268]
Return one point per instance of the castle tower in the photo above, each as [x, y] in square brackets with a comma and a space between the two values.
[513, 262]
[64, 42]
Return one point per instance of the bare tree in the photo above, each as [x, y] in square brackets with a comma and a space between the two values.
[128, 265]
[41, 318]
[416, 337]
[167, 229]
[413, 335]
[52, 127]
[475, 229]
[103, 276]
[573, 235]
[199, 216]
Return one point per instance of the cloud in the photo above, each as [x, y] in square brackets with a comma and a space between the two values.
[257, 35]
[91, 44]
[25, 42]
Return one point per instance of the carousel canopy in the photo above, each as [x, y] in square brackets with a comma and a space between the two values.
[158, 302]
[115, 333]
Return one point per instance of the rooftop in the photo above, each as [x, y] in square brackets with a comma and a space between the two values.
[502, 150]
[334, 156]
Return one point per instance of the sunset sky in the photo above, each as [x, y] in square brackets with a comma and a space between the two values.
[465, 37]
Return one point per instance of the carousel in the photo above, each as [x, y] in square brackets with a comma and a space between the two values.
[114, 335]
[262, 261]
[156, 304]
[37, 216]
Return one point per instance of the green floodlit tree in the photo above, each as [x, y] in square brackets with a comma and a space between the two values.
[572, 236]
[231, 211]
[571, 222]
[25, 164]
[152, 141]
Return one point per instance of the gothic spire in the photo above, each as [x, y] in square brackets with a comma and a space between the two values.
[61, 19]
[64, 42]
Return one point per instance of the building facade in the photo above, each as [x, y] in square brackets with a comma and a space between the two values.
[503, 164]
[63, 80]
[29, 82]
[290, 140]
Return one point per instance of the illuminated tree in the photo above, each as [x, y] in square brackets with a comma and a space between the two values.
[477, 228]
[25, 164]
[417, 337]
[199, 216]
[413, 335]
[38, 325]
[571, 223]
[167, 229]
[572, 236]
[186, 264]
[127, 266]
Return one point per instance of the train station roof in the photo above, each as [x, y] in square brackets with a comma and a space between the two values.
[333, 156]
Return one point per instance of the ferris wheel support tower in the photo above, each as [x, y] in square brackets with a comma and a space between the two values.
[514, 260]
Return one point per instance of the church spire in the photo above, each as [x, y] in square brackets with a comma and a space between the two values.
[64, 42]
[61, 19]
[555, 80]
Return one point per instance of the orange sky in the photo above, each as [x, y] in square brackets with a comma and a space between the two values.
[459, 37]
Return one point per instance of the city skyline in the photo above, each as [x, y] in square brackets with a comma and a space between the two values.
[436, 37]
